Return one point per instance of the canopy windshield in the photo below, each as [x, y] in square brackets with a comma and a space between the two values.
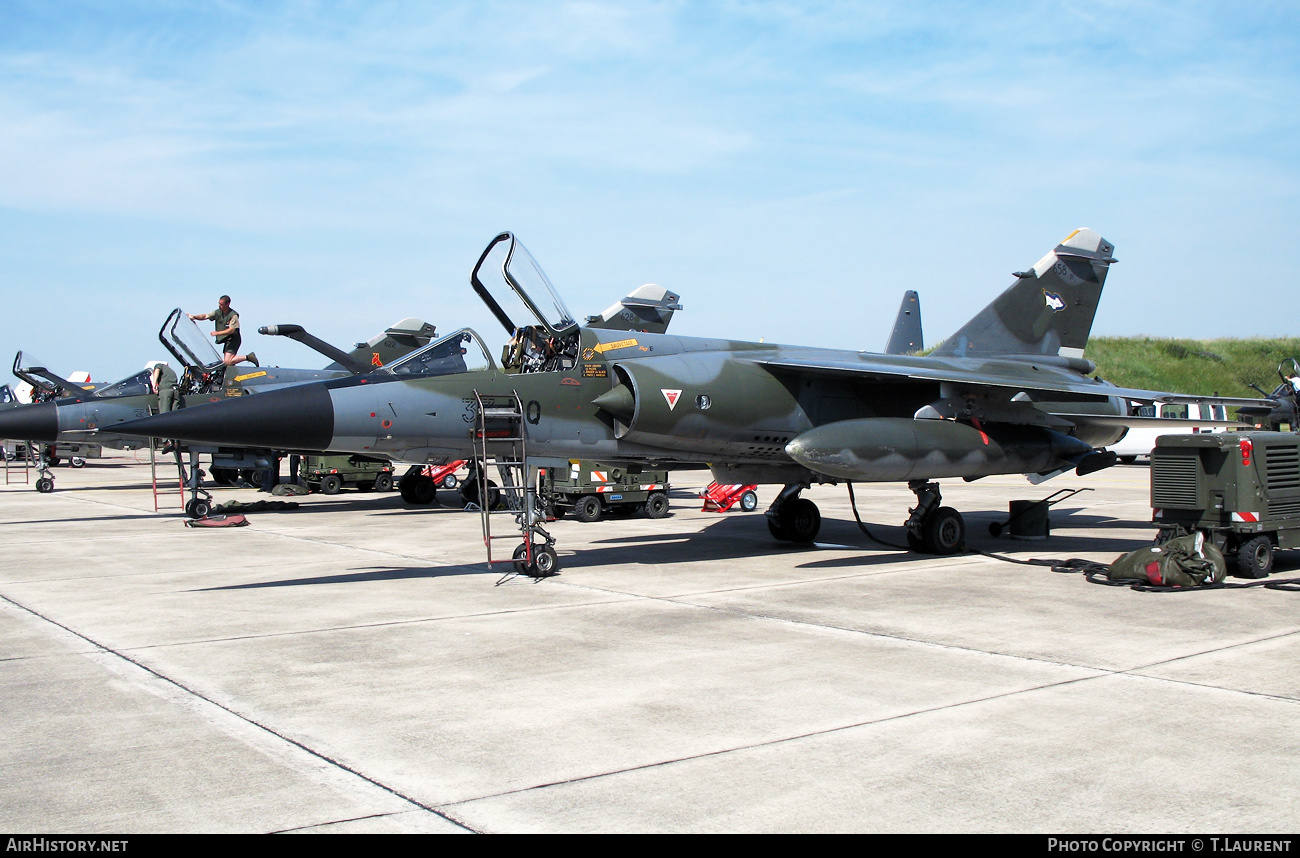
[132, 385]
[517, 291]
[455, 353]
[186, 342]
[36, 372]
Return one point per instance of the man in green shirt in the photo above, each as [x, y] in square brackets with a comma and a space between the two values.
[227, 332]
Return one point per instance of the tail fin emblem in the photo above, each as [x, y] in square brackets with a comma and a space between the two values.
[1054, 301]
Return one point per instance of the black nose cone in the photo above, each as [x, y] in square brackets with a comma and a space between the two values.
[295, 418]
[39, 422]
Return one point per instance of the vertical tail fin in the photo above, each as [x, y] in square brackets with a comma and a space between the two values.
[906, 337]
[1048, 310]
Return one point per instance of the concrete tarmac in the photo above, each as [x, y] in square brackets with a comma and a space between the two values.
[354, 666]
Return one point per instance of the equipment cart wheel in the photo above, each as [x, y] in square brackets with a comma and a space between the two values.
[77, 462]
[198, 508]
[1255, 558]
[945, 531]
[45, 485]
[587, 509]
[656, 506]
[330, 484]
[450, 481]
[384, 483]
[749, 501]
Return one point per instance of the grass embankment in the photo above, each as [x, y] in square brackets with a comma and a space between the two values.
[1201, 367]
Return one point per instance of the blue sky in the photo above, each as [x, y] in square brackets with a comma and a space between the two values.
[789, 168]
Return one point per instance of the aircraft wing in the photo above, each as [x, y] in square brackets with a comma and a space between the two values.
[1009, 377]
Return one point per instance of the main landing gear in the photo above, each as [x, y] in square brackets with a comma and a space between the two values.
[791, 518]
[931, 528]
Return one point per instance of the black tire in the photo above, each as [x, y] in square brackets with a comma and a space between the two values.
[384, 483]
[450, 481]
[749, 501]
[469, 492]
[588, 509]
[54, 461]
[419, 490]
[1255, 558]
[1128, 460]
[76, 462]
[945, 531]
[801, 519]
[777, 531]
[198, 508]
[330, 484]
[545, 561]
[656, 505]
[258, 477]
[45, 485]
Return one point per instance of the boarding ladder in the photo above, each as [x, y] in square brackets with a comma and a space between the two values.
[501, 438]
[12, 463]
[188, 479]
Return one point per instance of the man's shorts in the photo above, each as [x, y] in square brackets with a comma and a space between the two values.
[231, 345]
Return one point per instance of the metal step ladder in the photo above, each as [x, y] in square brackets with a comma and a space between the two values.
[187, 481]
[501, 440]
[11, 462]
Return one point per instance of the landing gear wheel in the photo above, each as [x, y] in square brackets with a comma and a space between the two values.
[418, 489]
[656, 506]
[945, 531]
[384, 483]
[330, 484]
[749, 501]
[777, 531]
[1128, 460]
[801, 519]
[450, 481]
[545, 561]
[77, 462]
[45, 485]
[587, 509]
[469, 493]
[198, 508]
[1255, 558]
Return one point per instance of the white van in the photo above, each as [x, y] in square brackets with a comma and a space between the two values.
[1138, 441]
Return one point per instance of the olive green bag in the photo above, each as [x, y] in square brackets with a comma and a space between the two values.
[1185, 561]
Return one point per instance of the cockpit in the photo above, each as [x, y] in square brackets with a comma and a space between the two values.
[455, 353]
[513, 286]
[46, 386]
[204, 369]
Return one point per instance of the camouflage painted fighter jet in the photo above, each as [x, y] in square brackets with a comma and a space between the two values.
[1009, 393]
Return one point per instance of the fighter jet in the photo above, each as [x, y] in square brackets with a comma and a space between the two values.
[66, 413]
[1008, 393]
